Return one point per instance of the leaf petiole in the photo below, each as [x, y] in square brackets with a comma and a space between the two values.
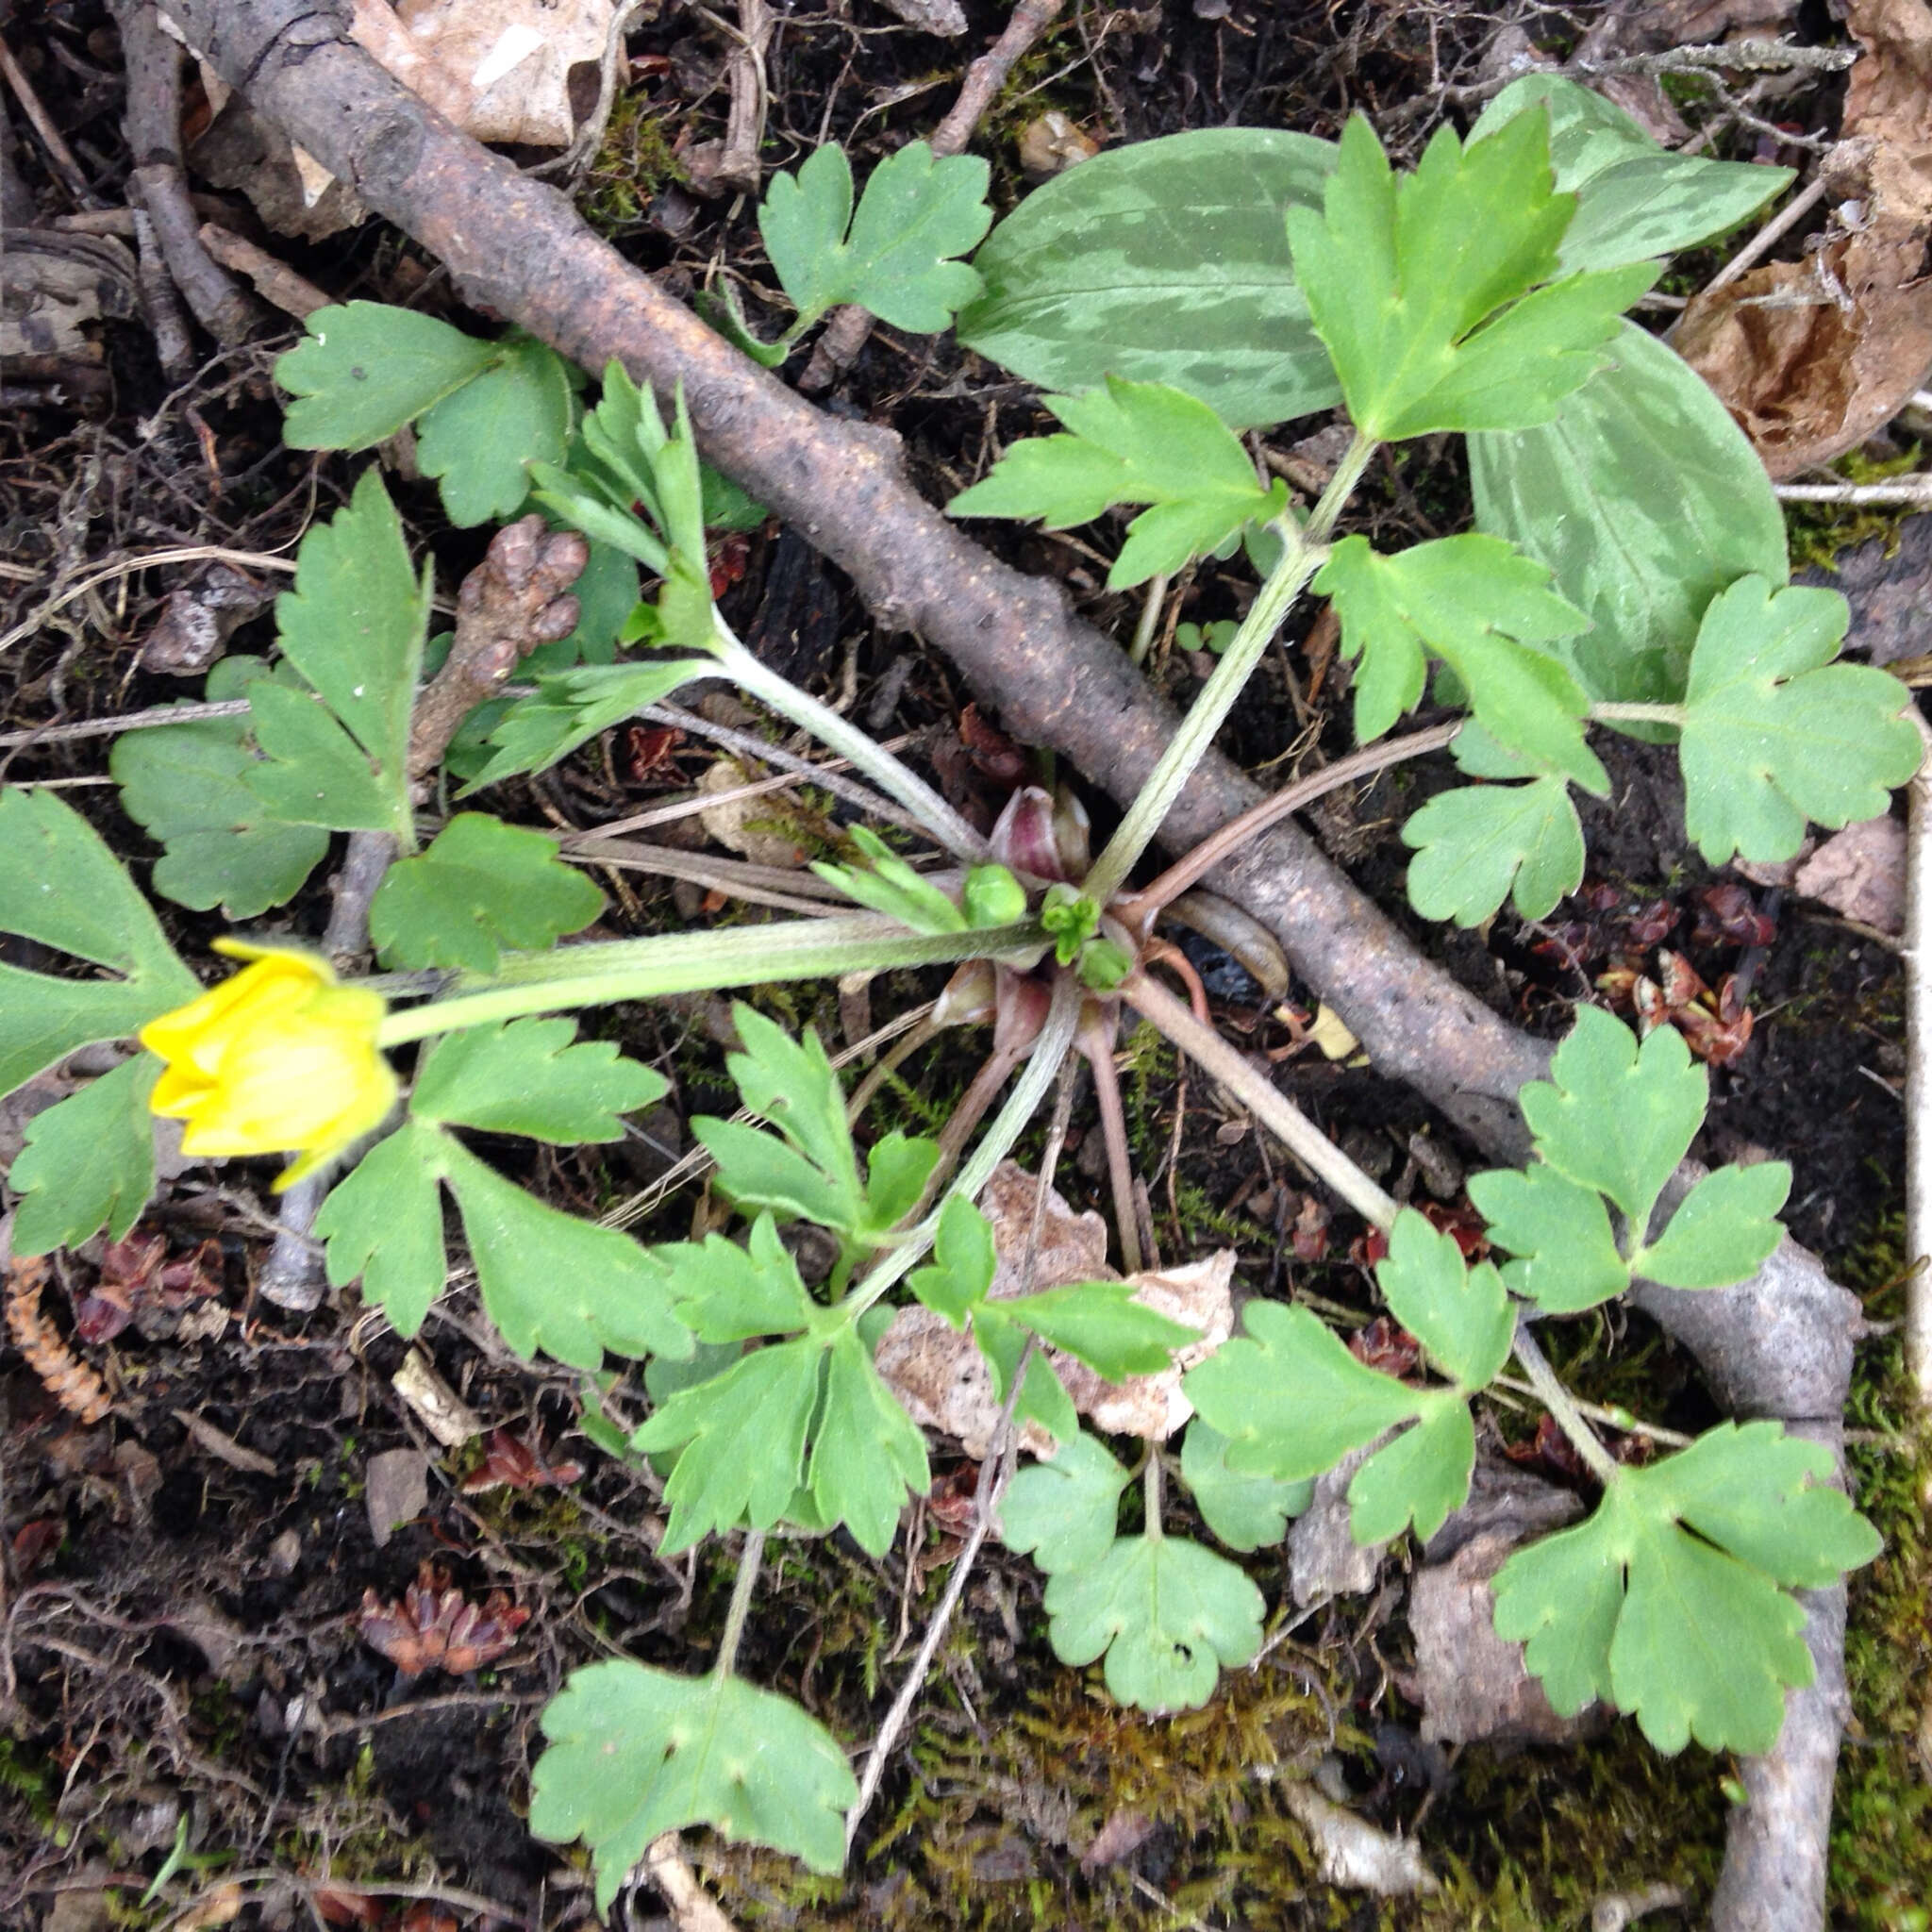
[744, 1587]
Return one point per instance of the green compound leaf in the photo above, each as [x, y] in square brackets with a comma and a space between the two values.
[1246, 1512]
[743, 1436]
[573, 705]
[1486, 611]
[636, 1752]
[1723, 1230]
[1647, 500]
[1403, 276]
[806, 1414]
[1419, 1477]
[1062, 1511]
[1132, 442]
[963, 1263]
[477, 441]
[888, 884]
[1561, 1233]
[551, 1281]
[867, 1453]
[184, 785]
[1634, 198]
[367, 369]
[723, 1292]
[1289, 1397]
[480, 886]
[1100, 1323]
[1480, 844]
[60, 886]
[1168, 1614]
[526, 1077]
[315, 773]
[896, 1171]
[547, 1279]
[1615, 1116]
[88, 1162]
[917, 214]
[1164, 261]
[790, 1084]
[354, 628]
[1043, 1398]
[383, 1221]
[760, 1171]
[1668, 1603]
[1458, 1313]
[1774, 733]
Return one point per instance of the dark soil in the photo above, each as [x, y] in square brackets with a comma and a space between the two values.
[180, 1645]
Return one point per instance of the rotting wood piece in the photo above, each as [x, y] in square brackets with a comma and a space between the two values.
[516, 246]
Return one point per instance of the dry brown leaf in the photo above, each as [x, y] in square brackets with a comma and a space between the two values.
[499, 69]
[1473, 1686]
[748, 826]
[1812, 356]
[941, 1377]
[1861, 873]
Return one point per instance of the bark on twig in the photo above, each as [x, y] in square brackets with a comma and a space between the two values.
[517, 598]
[846, 332]
[153, 60]
[516, 246]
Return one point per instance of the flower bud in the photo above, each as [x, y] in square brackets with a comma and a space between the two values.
[993, 897]
[278, 1058]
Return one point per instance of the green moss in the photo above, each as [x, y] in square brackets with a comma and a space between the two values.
[636, 162]
[1881, 1846]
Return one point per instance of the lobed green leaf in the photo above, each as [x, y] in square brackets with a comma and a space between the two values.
[87, 1162]
[366, 368]
[526, 1077]
[1777, 734]
[479, 887]
[635, 1753]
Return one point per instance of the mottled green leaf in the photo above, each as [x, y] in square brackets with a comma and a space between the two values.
[1634, 198]
[1163, 261]
[1645, 500]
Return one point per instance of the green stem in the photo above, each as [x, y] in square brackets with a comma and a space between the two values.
[1302, 555]
[1150, 619]
[1637, 714]
[1151, 1489]
[1555, 1398]
[742, 1589]
[645, 969]
[898, 781]
[1022, 1103]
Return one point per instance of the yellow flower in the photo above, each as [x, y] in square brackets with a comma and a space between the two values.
[278, 1058]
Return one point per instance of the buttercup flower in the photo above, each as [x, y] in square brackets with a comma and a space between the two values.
[278, 1058]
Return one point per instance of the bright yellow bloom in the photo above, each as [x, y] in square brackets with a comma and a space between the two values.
[278, 1058]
